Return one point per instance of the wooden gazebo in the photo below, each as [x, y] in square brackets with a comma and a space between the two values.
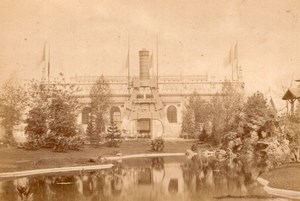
[292, 95]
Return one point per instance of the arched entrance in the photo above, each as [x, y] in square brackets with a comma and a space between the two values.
[115, 115]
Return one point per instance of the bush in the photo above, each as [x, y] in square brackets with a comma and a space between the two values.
[75, 143]
[49, 141]
[157, 144]
[61, 144]
[33, 144]
[113, 137]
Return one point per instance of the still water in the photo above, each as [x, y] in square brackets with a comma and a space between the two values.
[147, 179]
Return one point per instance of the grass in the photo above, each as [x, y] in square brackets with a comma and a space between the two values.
[14, 159]
[286, 177]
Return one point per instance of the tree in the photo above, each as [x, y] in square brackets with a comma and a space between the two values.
[188, 120]
[226, 108]
[36, 123]
[13, 100]
[196, 114]
[99, 95]
[256, 112]
[63, 106]
[113, 136]
[232, 101]
[218, 117]
[37, 117]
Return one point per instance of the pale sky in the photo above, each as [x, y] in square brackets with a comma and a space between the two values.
[90, 37]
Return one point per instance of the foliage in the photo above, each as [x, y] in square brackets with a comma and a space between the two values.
[256, 112]
[61, 144]
[232, 101]
[36, 122]
[219, 115]
[225, 108]
[62, 108]
[157, 144]
[99, 95]
[37, 116]
[54, 108]
[196, 113]
[49, 141]
[75, 143]
[90, 130]
[113, 136]
[292, 126]
[33, 143]
[13, 99]
[56, 142]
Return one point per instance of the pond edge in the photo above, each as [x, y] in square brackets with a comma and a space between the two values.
[277, 191]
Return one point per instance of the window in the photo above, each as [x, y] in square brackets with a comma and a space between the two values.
[115, 114]
[172, 114]
[85, 115]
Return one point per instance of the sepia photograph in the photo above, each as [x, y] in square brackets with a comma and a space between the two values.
[149, 100]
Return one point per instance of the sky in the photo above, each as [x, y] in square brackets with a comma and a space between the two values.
[194, 37]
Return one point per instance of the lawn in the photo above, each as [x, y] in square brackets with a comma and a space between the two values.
[287, 177]
[14, 159]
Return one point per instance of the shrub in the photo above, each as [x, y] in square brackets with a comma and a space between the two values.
[61, 144]
[49, 141]
[33, 144]
[75, 143]
[157, 144]
[113, 137]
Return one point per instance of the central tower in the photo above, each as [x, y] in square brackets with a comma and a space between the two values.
[144, 64]
[144, 107]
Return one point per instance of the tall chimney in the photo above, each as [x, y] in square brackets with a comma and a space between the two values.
[144, 64]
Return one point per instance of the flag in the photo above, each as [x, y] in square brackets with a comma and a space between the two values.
[232, 57]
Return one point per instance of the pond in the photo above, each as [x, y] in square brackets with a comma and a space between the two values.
[147, 179]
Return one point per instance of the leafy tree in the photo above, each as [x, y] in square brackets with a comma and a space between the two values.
[218, 117]
[36, 123]
[63, 106]
[256, 112]
[226, 108]
[197, 112]
[232, 103]
[37, 117]
[13, 99]
[99, 95]
[188, 120]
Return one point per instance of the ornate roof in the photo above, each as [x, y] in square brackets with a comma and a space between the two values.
[292, 93]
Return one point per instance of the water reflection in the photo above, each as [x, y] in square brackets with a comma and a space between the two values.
[194, 179]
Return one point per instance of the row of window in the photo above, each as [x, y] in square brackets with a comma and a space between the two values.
[115, 114]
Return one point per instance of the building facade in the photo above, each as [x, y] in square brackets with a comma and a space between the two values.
[147, 105]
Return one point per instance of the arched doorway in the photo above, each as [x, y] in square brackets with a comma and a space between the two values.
[115, 115]
[85, 115]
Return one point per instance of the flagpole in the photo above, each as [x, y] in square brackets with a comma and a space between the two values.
[44, 64]
[128, 66]
[151, 64]
[157, 61]
[237, 62]
[232, 63]
[49, 64]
